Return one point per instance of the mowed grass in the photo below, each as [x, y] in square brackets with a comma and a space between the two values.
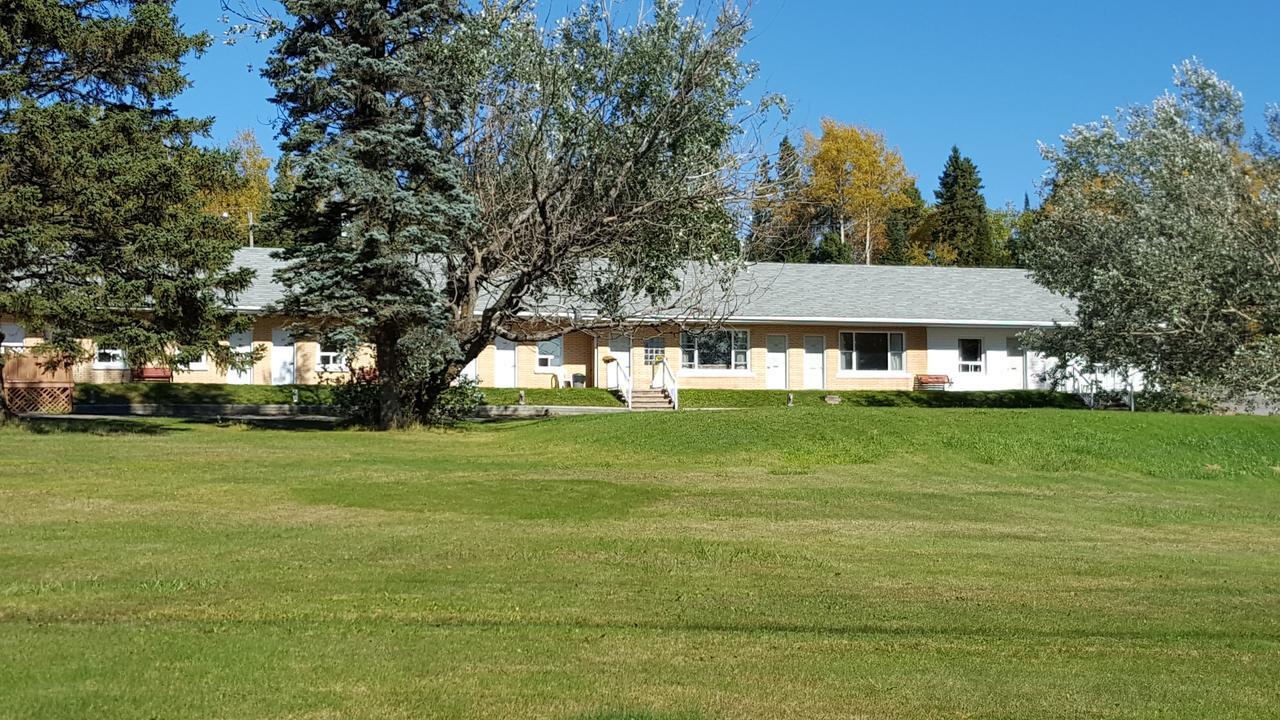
[802, 563]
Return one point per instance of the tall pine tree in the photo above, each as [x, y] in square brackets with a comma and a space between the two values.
[782, 223]
[102, 187]
[962, 229]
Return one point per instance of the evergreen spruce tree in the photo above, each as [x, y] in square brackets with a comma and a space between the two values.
[760, 242]
[371, 95]
[963, 229]
[898, 228]
[793, 235]
[102, 187]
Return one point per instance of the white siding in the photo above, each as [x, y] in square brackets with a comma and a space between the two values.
[1000, 370]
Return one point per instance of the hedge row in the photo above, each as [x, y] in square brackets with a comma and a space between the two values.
[210, 394]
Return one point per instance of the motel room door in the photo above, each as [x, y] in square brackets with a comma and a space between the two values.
[620, 349]
[284, 358]
[241, 342]
[504, 363]
[815, 366]
[775, 362]
[1017, 362]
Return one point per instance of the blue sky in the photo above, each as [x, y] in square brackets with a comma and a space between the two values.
[993, 77]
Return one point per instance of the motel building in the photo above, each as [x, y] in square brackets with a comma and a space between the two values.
[791, 327]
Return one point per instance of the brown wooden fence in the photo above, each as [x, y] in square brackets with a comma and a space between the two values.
[30, 387]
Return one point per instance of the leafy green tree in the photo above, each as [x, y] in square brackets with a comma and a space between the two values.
[469, 166]
[900, 225]
[102, 187]
[962, 229]
[1165, 230]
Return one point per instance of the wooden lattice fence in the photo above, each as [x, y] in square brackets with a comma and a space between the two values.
[30, 387]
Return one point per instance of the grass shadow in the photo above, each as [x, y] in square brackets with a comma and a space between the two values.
[613, 714]
[284, 422]
[96, 426]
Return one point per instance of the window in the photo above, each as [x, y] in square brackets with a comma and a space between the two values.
[14, 337]
[654, 348]
[198, 365]
[331, 359]
[971, 355]
[872, 352]
[551, 353]
[714, 350]
[108, 359]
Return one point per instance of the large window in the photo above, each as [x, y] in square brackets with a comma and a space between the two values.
[872, 352]
[971, 355]
[714, 350]
[551, 353]
[108, 359]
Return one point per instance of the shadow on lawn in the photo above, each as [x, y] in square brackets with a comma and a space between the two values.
[97, 426]
[634, 715]
[297, 424]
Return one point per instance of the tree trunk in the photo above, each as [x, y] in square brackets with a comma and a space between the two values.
[842, 238]
[868, 251]
[6, 413]
[391, 413]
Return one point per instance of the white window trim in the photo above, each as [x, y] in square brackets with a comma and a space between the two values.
[341, 366]
[200, 365]
[120, 364]
[748, 371]
[856, 373]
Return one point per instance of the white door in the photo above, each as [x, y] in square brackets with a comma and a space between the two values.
[241, 343]
[283, 358]
[775, 362]
[469, 372]
[504, 363]
[1017, 360]
[815, 367]
[620, 349]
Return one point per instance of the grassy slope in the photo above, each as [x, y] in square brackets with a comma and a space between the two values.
[765, 563]
[582, 397]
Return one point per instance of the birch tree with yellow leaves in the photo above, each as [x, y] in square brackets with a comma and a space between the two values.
[857, 179]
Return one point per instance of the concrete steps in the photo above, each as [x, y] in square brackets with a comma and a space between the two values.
[651, 400]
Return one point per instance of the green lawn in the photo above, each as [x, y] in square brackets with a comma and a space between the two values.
[803, 563]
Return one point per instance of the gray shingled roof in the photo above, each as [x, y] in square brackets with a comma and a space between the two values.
[844, 293]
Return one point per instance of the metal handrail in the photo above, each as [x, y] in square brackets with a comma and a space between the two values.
[624, 378]
[672, 386]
